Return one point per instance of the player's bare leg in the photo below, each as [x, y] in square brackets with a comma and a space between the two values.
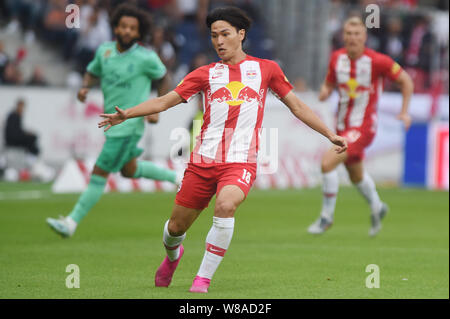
[366, 186]
[330, 187]
[66, 226]
[174, 234]
[219, 236]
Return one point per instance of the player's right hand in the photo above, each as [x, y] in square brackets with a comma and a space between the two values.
[82, 94]
[112, 119]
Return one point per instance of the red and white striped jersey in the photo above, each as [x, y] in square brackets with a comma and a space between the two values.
[233, 105]
[359, 83]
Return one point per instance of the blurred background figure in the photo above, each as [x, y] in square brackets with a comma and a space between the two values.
[25, 16]
[15, 135]
[55, 30]
[22, 150]
[94, 30]
[37, 78]
[392, 41]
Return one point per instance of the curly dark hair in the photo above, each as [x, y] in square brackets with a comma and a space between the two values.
[129, 10]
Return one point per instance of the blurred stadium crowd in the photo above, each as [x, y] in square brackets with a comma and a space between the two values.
[411, 35]
[179, 33]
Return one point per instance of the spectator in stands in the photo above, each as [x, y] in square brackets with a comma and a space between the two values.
[392, 41]
[419, 53]
[56, 31]
[94, 30]
[12, 74]
[37, 78]
[4, 59]
[15, 135]
[164, 48]
[26, 14]
[192, 38]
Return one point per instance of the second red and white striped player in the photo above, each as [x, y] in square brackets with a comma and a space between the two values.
[357, 73]
[359, 83]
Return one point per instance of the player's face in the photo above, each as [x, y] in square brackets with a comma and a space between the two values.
[354, 38]
[227, 41]
[127, 31]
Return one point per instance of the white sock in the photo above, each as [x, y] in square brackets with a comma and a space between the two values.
[330, 189]
[172, 243]
[217, 242]
[367, 188]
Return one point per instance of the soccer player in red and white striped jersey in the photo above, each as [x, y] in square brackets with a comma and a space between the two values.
[223, 161]
[357, 73]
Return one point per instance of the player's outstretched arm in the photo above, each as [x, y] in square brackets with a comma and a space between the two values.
[148, 107]
[407, 88]
[163, 87]
[307, 116]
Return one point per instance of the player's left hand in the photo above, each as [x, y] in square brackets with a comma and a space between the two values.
[406, 119]
[340, 142]
[112, 119]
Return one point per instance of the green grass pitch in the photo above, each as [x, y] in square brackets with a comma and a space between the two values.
[118, 247]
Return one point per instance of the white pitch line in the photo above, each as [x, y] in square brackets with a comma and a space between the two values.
[23, 195]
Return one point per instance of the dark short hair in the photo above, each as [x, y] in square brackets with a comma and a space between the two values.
[129, 10]
[233, 15]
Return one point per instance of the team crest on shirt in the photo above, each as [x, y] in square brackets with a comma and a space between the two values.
[251, 74]
[107, 53]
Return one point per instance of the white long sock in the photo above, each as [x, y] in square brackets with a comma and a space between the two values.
[330, 189]
[217, 242]
[367, 188]
[172, 243]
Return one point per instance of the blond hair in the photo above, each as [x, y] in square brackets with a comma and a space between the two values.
[354, 21]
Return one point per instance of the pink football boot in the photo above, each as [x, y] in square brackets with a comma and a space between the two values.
[200, 284]
[164, 274]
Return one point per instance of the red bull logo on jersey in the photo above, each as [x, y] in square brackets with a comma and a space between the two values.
[235, 93]
[353, 88]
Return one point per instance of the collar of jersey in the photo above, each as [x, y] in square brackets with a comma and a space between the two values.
[245, 59]
[134, 46]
